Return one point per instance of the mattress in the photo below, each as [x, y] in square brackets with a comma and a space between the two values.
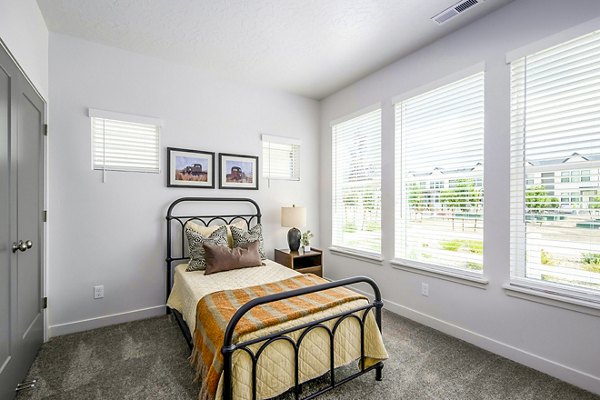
[275, 369]
[189, 287]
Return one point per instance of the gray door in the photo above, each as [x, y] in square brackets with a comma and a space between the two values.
[21, 200]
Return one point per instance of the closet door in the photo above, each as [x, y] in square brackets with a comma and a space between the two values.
[29, 202]
[7, 371]
[21, 202]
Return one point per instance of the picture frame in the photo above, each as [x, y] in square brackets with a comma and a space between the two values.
[238, 171]
[190, 168]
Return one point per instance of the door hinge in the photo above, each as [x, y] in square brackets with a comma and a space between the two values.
[45, 216]
[45, 129]
[44, 303]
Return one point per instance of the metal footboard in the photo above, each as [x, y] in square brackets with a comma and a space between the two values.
[229, 347]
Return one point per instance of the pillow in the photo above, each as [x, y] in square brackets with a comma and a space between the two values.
[195, 242]
[207, 230]
[242, 238]
[220, 259]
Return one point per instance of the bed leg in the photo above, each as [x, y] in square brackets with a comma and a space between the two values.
[379, 373]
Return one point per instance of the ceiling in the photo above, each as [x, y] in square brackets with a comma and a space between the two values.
[308, 47]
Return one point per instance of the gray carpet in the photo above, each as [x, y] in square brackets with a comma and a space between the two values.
[148, 360]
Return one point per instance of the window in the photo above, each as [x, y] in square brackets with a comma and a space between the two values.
[555, 225]
[436, 185]
[586, 176]
[439, 140]
[123, 142]
[356, 223]
[281, 158]
[575, 176]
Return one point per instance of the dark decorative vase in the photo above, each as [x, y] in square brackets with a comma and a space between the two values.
[294, 236]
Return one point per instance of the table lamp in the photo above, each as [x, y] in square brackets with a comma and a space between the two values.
[293, 217]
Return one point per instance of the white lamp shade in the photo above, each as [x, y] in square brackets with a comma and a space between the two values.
[293, 217]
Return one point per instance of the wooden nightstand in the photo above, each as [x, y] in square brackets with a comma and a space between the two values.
[310, 262]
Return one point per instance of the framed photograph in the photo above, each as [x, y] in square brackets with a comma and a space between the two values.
[238, 171]
[190, 168]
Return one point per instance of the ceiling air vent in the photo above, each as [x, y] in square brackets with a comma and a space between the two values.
[453, 11]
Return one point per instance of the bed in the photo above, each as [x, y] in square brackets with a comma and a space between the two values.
[269, 360]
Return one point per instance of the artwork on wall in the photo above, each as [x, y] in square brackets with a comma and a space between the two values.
[190, 168]
[238, 171]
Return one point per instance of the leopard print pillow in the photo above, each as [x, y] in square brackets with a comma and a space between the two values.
[242, 238]
[195, 242]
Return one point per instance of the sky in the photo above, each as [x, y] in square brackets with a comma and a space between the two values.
[182, 162]
[245, 166]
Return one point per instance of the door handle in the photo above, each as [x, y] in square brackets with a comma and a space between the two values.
[22, 245]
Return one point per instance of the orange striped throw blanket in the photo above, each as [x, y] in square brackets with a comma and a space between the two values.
[215, 310]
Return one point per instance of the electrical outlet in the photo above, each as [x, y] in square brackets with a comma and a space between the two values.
[99, 291]
[425, 289]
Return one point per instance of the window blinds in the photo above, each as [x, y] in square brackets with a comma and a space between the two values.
[356, 223]
[119, 145]
[439, 176]
[555, 161]
[281, 158]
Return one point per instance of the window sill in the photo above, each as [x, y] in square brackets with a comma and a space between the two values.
[281, 179]
[357, 255]
[456, 276]
[553, 297]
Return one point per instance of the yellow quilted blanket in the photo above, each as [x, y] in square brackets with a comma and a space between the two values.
[214, 311]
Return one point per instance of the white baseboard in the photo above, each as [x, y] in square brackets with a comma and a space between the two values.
[563, 372]
[105, 320]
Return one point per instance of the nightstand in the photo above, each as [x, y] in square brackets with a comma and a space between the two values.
[310, 262]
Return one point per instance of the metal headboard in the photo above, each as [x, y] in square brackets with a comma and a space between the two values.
[206, 220]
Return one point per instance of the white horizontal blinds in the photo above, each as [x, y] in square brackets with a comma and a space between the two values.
[356, 174]
[281, 158]
[125, 146]
[439, 176]
[555, 164]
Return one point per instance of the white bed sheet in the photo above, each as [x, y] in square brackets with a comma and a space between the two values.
[190, 287]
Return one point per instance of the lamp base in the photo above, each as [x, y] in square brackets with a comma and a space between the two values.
[293, 237]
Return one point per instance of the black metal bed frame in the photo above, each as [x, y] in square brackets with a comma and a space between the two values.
[229, 347]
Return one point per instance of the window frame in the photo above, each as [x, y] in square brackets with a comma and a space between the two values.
[458, 275]
[125, 118]
[281, 140]
[561, 295]
[341, 249]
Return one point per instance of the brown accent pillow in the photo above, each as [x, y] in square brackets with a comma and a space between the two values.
[220, 258]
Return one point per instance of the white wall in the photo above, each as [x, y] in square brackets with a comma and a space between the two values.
[23, 30]
[560, 342]
[114, 233]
